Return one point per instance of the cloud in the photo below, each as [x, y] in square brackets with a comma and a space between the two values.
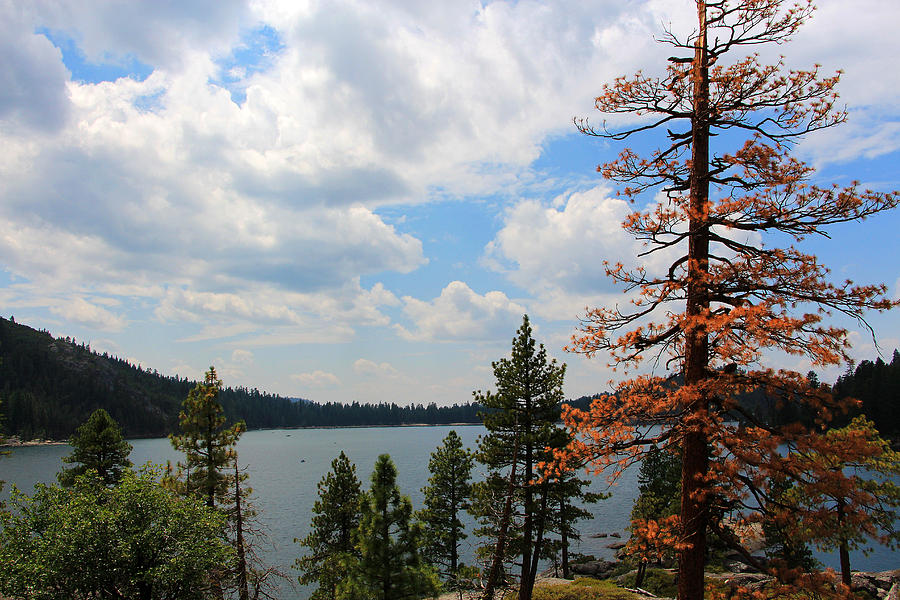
[79, 310]
[461, 314]
[318, 379]
[33, 80]
[158, 34]
[556, 251]
[242, 196]
[266, 315]
[562, 246]
[243, 357]
[370, 368]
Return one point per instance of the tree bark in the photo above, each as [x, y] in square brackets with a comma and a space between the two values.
[564, 540]
[243, 589]
[500, 548]
[694, 506]
[525, 582]
[843, 550]
[538, 538]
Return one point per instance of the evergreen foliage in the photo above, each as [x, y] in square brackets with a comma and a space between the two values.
[521, 423]
[97, 446]
[389, 565]
[566, 496]
[132, 540]
[446, 495]
[877, 386]
[336, 515]
[206, 442]
[659, 499]
[857, 502]
[659, 485]
[783, 544]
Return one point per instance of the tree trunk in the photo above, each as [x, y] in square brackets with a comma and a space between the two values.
[525, 582]
[694, 504]
[843, 550]
[564, 540]
[454, 534]
[639, 577]
[538, 539]
[500, 548]
[243, 589]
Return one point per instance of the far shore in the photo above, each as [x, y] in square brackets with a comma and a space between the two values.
[14, 441]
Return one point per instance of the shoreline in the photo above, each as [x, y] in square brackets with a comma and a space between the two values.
[15, 442]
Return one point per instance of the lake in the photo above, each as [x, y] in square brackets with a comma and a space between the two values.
[286, 465]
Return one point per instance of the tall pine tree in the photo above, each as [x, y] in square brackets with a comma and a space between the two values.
[207, 444]
[389, 565]
[724, 204]
[520, 419]
[446, 496]
[335, 518]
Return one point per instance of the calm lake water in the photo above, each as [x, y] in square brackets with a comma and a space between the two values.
[286, 465]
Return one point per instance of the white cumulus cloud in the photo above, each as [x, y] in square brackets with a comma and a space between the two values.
[317, 379]
[460, 313]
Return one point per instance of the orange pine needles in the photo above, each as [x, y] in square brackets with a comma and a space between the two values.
[736, 292]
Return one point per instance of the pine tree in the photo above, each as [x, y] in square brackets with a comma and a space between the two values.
[446, 495]
[735, 292]
[659, 499]
[207, 444]
[336, 515]
[566, 497]
[848, 492]
[783, 544]
[97, 445]
[520, 419]
[389, 565]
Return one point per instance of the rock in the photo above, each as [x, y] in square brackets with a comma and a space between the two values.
[894, 594]
[616, 545]
[750, 581]
[739, 566]
[878, 584]
[615, 534]
[595, 568]
[599, 535]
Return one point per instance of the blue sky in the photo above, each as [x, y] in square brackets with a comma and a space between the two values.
[358, 201]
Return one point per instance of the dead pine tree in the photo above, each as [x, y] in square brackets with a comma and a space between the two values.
[736, 293]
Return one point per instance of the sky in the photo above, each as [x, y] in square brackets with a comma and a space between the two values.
[358, 201]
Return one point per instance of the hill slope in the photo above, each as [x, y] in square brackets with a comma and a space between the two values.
[49, 386]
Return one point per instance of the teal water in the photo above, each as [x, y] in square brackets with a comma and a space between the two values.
[286, 465]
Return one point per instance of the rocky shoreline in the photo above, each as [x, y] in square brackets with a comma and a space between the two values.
[878, 584]
[14, 442]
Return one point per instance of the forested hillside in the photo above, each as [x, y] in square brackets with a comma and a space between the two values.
[50, 385]
[877, 385]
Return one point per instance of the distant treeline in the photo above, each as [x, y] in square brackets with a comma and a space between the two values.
[877, 385]
[48, 386]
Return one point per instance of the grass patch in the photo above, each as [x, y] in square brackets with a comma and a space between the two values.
[658, 582]
[584, 588]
